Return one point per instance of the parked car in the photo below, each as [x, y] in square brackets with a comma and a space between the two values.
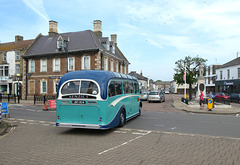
[144, 96]
[156, 96]
[235, 97]
[221, 95]
[166, 91]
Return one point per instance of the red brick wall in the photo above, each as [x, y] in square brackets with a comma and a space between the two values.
[51, 76]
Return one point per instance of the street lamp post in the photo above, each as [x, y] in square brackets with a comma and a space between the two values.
[66, 50]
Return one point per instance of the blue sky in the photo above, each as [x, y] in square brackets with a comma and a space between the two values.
[152, 34]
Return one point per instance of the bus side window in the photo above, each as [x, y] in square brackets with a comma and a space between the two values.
[125, 86]
[130, 84]
[111, 89]
[135, 87]
[118, 85]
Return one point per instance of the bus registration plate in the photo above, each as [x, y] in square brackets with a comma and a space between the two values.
[79, 102]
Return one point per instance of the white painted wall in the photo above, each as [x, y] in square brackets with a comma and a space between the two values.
[233, 73]
[11, 61]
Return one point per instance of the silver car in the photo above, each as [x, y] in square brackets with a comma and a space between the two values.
[144, 96]
[156, 96]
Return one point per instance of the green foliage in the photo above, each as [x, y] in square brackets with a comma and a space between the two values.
[192, 69]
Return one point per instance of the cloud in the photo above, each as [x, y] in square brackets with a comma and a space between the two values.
[38, 7]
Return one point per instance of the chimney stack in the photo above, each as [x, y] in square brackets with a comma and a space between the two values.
[97, 25]
[53, 28]
[18, 38]
[114, 38]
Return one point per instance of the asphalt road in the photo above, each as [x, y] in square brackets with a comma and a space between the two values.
[155, 116]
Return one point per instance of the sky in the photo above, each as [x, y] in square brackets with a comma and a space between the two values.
[152, 34]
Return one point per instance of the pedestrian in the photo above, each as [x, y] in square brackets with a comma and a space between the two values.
[201, 99]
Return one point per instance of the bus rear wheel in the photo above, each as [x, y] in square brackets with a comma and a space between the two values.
[122, 119]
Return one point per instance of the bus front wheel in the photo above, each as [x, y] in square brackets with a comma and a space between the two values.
[122, 119]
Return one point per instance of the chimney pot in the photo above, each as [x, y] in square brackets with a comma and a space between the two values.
[97, 28]
[53, 25]
[114, 38]
[18, 38]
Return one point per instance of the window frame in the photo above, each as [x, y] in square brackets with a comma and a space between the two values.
[4, 56]
[116, 66]
[42, 91]
[31, 66]
[55, 86]
[17, 55]
[43, 67]
[17, 69]
[86, 59]
[106, 63]
[73, 65]
[55, 66]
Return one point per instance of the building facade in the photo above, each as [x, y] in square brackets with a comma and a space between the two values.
[11, 64]
[51, 56]
[228, 77]
[210, 77]
[143, 81]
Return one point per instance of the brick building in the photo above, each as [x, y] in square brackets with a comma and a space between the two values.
[11, 64]
[51, 56]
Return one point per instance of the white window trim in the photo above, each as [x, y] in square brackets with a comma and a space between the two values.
[69, 64]
[16, 69]
[83, 62]
[54, 86]
[17, 55]
[42, 86]
[121, 69]
[54, 65]
[116, 66]
[4, 56]
[105, 63]
[111, 65]
[41, 64]
[30, 71]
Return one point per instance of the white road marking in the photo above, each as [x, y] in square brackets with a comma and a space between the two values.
[120, 132]
[23, 122]
[125, 143]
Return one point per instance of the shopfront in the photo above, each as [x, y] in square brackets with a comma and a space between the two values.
[228, 86]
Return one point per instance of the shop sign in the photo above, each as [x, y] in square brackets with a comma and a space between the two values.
[227, 83]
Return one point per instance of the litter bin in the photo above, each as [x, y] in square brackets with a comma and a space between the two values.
[210, 104]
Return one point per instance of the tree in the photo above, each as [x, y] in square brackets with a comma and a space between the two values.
[192, 71]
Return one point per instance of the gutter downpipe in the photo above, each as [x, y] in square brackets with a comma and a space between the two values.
[101, 61]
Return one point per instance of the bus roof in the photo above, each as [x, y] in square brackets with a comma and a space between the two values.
[100, 76]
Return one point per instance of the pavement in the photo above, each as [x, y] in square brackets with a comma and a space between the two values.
[194, 107]
[40, 142]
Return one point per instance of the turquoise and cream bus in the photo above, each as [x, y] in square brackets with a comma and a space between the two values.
[97, 99]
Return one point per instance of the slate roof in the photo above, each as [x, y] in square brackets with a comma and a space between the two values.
[15, 45]
[234, 62]
[138, 76]
[78, 41]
